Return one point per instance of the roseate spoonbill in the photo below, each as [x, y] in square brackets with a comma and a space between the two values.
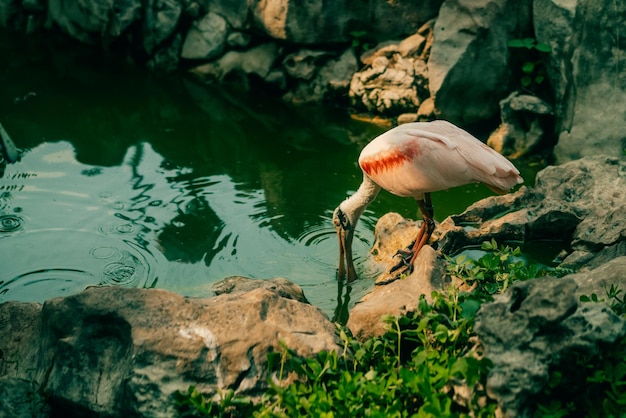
[413, 160]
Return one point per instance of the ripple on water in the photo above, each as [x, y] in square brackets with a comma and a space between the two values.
[38, 265]
[10, 223]
[313, 235]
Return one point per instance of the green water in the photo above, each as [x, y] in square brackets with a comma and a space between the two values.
[135, 179]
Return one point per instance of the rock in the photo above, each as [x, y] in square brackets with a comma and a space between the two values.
[527, 124]
[206, 37]
[396, 78]
[407, 118]
[330, 83]
[19, 325]
[95, 22]
[160, 20]
[316, 21]
[19, 398]
[579, 203]
[114, 351]
[468, 65]
[426, 111]
[529, 332]
[600, 279]
[304, 63]
[258, 60]
[396, 296]
[283, 287]
[388, 87]
[590, 95]
[238, 39]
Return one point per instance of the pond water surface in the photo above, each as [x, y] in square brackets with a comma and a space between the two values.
[134, 179]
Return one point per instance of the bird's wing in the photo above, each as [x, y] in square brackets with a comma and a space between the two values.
[485, 164]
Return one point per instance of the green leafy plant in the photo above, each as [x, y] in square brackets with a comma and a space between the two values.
[531, 55]
[193, 404]
[359, 41]
[495, 271]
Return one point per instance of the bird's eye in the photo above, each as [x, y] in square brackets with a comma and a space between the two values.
[343, 220]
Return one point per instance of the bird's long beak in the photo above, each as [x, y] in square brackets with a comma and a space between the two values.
[346, 264]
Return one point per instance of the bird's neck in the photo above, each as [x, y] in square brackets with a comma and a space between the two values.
[365, 195]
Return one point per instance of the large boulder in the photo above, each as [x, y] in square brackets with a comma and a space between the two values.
[112, 351]
[469, 60]
[531, 331]
[586, 70]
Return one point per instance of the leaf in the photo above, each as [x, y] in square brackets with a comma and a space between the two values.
[469, 308]
[528, 67]
[515, 43]
[543, 47]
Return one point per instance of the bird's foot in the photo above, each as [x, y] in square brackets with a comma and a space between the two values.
[404, 266]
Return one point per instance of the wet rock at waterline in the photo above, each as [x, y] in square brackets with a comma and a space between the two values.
[531, 331]
[397, 297]
[579, 203]
[119, 351]
[278, 285]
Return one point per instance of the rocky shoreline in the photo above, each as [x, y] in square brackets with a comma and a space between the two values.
[114, 351]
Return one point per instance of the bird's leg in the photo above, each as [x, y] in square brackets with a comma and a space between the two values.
[426, 207]
[423, 235]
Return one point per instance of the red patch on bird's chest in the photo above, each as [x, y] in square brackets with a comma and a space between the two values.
[389, 159]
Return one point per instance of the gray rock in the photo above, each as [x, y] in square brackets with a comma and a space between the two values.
[579, 203]
[527, 123]
[94, 22]
[586, 71]
[20, 398]
[599, 279]
[331, 81]
[304, 64]
[468, 65]
[19, 327]
[160, 20]
[529, 330]
[206, 38]
[258, 60]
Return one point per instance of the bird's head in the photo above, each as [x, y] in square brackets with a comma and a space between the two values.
[345, 222]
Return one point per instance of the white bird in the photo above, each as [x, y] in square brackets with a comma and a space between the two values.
[413, 160]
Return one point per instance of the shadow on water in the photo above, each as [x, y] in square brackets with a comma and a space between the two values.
[156, 181]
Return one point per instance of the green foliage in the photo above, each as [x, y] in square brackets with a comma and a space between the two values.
[194, 404]
[426, 359]
[616, 302]
[359, 41]
[410, 371]
[495, 271]
[531, 54]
